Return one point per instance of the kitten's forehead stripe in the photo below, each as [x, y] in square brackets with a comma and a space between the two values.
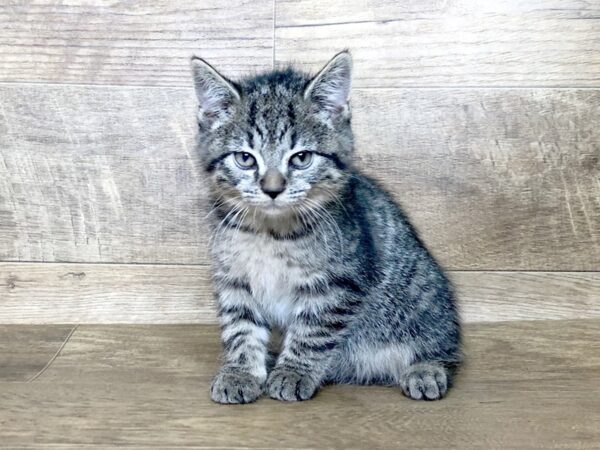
[293, 139]
[291, 114]
[252, 113]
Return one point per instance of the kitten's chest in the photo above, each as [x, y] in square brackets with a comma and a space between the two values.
[266, 266]
[272, 268]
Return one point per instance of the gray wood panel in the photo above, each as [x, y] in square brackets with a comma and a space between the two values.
[99, 174]
[456, 42]
[507, 296]
[312, 12]
[105, 293]
[26, 351]
[142, 354]
[114, 293]
[494, 179]
[140, 43]
[526, 385]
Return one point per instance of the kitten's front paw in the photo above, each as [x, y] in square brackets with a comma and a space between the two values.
[290, 386]
[235, 387]
[425, 381]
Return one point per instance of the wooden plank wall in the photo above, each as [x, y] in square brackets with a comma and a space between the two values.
[481, 117]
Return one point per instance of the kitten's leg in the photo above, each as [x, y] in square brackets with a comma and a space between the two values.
[245, 338]
[307, 350]
[425, 381]
[435, 332]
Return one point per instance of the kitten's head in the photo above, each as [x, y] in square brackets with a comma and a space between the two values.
[278, 143]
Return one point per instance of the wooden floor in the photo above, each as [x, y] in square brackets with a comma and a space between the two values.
[526, 385]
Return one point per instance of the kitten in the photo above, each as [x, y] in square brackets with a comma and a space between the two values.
[304, 243]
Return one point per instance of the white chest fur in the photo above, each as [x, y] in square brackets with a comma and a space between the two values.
[273, 268]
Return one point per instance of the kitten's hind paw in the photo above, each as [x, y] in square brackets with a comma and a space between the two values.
[235, 387]
[290, 386]
[425, 381]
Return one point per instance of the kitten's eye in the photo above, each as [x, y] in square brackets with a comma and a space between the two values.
[244, 160]
[301, 160]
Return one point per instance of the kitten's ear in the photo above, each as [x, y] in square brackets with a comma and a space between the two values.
[217, 96]
[330, 88]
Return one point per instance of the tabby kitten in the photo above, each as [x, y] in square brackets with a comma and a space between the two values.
[304, 243]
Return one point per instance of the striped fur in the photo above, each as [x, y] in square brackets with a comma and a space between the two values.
[331, 261]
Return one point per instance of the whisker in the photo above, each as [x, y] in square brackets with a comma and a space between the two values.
[235, 210]
[315, 216]
[215, 205]
[334, 197]
[328, 220]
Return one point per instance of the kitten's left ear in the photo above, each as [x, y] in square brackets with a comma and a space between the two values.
[330, 88]
[216, 94]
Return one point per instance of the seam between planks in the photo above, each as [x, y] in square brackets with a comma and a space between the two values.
[396, 20]
[158, 264]
[354, 89]
[106, 263]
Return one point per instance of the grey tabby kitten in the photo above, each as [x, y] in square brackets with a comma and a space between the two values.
[306, 244]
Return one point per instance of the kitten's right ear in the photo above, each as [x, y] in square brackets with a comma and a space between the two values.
[330, 88]
[217, 96]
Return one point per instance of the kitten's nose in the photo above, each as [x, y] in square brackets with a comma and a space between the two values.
[272, 183]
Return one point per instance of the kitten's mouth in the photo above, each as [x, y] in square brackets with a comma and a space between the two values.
[273, 208]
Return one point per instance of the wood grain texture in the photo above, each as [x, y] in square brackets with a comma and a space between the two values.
[99, 174]
[100, 293]
[311, 12]
[493, 178]
[25, 351]
[139, 43]
[169, 354]
[526, 385]
[456, 42]
[105, 293]
[508, 296]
